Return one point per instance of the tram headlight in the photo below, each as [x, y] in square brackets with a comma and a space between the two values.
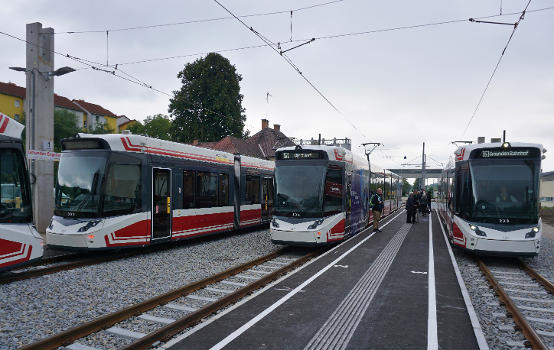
[532, 233]
[315, 224]
[88, 226]
[477, 231]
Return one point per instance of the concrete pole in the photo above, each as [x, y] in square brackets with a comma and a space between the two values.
[40, 119]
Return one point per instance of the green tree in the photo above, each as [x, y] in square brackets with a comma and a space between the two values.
[136, 128]
[101, 129]
[405, 187]
[158, 126]
[208, 106]
[65, 125]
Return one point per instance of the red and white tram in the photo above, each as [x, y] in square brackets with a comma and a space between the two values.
[130, 190]
[489, 198]
[19, 240]
[323, 192]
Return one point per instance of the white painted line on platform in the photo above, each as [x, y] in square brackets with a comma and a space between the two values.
[180, 307]
[125, 332]
[197, 297]
[156, 319]
[432, 334]
[477, 330]
[79, 346]
[198, 327]
[289, 295]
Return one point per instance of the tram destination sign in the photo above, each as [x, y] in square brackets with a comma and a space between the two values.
[508, 153]
[286, 155]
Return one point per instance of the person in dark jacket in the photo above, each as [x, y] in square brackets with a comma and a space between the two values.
[377, 206]
[410, 208]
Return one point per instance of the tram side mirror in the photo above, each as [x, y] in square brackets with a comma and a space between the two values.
[32, 178]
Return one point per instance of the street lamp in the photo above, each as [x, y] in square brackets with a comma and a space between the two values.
[46, 75]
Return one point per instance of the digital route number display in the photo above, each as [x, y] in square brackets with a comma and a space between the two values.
[495, 153]
[286, 155]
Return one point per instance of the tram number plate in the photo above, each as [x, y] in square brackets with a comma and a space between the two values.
[503, 221]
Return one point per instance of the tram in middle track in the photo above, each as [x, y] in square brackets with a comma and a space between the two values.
[323, 192]
[129, 190]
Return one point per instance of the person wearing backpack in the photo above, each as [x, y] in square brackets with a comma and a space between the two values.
[376, 204]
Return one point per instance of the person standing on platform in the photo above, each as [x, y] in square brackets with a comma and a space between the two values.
[377, 205]
[410, 209]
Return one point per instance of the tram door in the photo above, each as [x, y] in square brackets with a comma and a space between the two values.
[267, 198]
[161, 203]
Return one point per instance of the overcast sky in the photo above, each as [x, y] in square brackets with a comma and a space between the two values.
[400, 87]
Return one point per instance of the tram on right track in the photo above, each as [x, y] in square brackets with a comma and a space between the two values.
[489, 198]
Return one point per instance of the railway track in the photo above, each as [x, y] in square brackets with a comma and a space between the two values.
[528, 299]
[50, 265]
[143, 325]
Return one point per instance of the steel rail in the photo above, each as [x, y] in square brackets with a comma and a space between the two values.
[18, 276]
[166, 332]
[519, 319]
[537, 277]
[94, 258]
[69, 336]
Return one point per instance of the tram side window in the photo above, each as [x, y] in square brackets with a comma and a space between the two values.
[122, 193]
[188, 189]
[252, 190]
[332, 200]
[223, 190]
[463, 195]
[206, 190]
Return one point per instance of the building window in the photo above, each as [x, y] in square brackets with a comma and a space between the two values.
[16, 104]
[16, 117]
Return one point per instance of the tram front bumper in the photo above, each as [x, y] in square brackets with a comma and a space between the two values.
[66, 240]
[307, 238]
[508, 247]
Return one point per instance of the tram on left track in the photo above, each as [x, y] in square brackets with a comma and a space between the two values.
[20, 242]
[125, 190]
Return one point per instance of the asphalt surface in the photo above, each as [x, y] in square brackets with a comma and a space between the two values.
[376, 297]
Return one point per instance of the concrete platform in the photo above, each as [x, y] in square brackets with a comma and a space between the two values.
[371, 292]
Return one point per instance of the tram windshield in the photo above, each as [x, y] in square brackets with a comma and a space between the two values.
[308, 191]
[503, 191]
[15, 205]
[79, 184]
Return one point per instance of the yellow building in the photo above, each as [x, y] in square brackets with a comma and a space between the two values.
[12, 98]
[89, 116]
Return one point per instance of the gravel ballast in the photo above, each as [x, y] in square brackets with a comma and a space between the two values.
[499, 330]
[36, 308]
